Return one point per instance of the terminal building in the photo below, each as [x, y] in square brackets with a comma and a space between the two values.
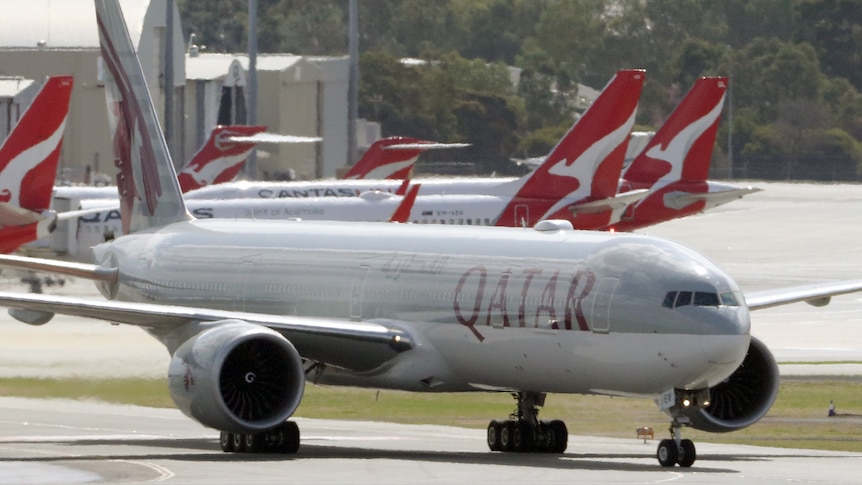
[297, 95]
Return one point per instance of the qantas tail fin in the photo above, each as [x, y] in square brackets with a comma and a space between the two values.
[588, 159]
[402, 212]
[220, 159]
[150, 195]
[393, 158]
[29, 156]
[682, 148]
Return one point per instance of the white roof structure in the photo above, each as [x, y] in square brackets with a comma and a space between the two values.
[206, 67]
[11, 86]
[55, 24]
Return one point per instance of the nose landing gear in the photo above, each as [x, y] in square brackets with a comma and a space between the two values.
[676, 451]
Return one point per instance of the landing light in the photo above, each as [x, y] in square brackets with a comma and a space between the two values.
[686, 402]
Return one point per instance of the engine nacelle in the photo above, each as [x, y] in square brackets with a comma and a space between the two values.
[237, 377]
[743, 398]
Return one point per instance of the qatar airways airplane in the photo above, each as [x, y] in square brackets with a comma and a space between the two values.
[28, 166]
[251, 310]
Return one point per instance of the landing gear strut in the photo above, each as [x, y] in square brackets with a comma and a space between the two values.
[284, 438]
[676, 450]
[523, 432]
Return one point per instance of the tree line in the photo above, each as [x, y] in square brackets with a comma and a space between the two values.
[794, 68]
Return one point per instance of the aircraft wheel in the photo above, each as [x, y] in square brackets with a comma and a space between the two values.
[523, 438]
[238, 442]
[559, 436]
[506, 432]
[667, 453]
[494, 435]
[254, 442]
[226, 441]
[687, 454]
[290, 437]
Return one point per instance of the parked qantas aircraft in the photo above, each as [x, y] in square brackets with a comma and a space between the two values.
[28, 166]
[674, 166]
[669, 175]
[249, 310]
[579, 176]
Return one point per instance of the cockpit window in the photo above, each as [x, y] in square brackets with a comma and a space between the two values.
[702, 298]
[729, 299]
[676, 299]
[684, 298]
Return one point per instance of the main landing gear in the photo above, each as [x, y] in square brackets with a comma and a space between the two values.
[676, 450]
[284, 438]
[523, 432]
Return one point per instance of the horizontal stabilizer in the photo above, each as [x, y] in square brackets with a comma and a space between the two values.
[273, 138]
[619, 201]
[679, 200]
[424, 146]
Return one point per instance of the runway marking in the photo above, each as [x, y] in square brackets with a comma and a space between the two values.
[164, 473]
[67, 438]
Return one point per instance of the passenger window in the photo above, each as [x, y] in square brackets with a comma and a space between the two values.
[668, 299]
[702, 298]
[684, 298]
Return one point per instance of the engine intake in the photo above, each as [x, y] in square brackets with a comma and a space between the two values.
[743, 398]
[237, 377]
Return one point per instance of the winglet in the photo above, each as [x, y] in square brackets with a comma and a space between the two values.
[682, 148]
[402, 213]
[150, 195]
[220, 159]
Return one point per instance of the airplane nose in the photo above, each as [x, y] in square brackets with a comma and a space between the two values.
[725, 339]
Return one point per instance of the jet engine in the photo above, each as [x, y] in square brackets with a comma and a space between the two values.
[743, 398]
[237, 377]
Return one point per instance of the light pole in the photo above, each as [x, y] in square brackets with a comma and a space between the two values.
[251, 163]
[352, 80]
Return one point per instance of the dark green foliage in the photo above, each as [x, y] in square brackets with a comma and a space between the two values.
[793, 64]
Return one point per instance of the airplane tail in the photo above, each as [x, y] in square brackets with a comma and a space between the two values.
[402, 212]
[150, 195]
[588, 159]
[682, 148]
[385, 160]
[220, 159]
[29, 156]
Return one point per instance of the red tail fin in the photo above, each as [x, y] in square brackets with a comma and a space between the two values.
[29, 156]
[682, 148]
[402, 213]
[385, 160]
[219, 159]
[593, 148]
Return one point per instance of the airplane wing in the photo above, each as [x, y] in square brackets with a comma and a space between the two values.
[273, 138]
[818, 294]
[357, 346]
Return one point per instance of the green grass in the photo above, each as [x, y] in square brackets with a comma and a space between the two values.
[797, 420]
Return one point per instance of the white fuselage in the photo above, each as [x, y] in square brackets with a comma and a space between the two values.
[488, 308]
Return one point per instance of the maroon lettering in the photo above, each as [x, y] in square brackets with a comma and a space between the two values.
[546, 303]
[522, 308]
[477, 304]
[498, 300]
[574, 304]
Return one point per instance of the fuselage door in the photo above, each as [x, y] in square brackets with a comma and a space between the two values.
[600, 315]
[357, 291]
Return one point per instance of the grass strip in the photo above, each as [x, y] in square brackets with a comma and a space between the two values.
[797, 420]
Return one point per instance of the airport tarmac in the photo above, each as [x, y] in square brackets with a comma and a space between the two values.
[789, 234]
[68, 442]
